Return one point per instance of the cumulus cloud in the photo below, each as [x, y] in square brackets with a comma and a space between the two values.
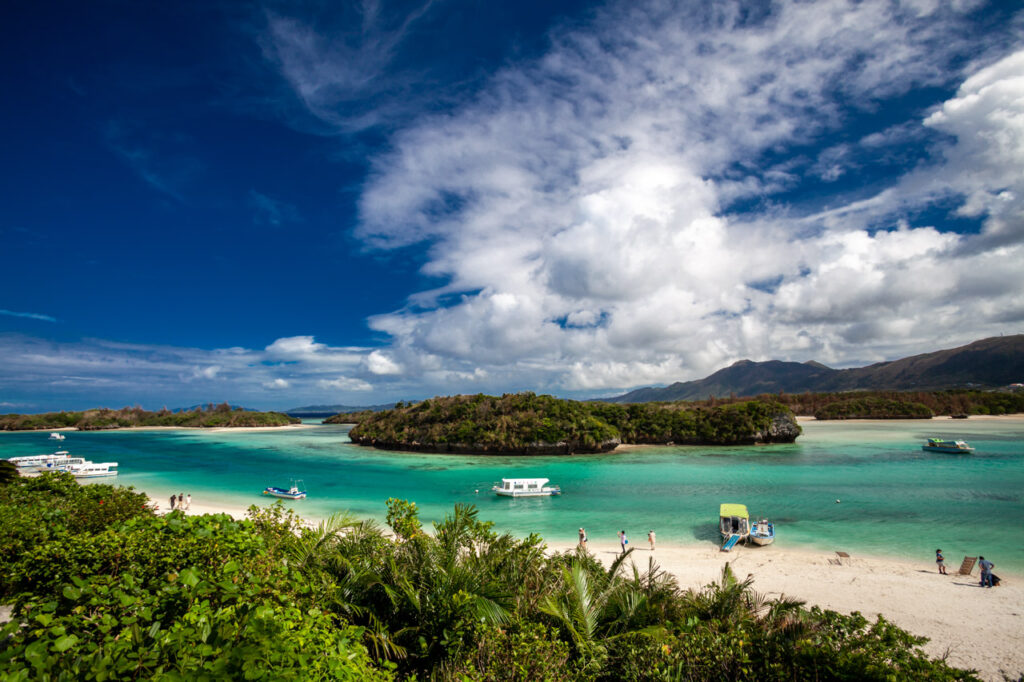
[344, 384]
[276, 385]
[578, 207]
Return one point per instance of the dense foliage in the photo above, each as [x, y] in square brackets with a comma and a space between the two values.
[104, 418]
[529, 423]
[950, 402]
[873, 408]
[519, 422]
[104, 589]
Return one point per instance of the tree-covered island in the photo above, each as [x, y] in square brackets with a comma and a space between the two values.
[208, 416]
[529, 424]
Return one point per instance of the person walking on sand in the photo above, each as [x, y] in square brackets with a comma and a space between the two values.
[623, 540]
[174, 500]
[583, 538]
[940, 561]
[188, 501]
[986, 571]
[650, 538]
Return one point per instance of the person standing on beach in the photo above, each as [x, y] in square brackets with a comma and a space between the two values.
[188, 501]
[623, 540]
[940, 561]
[986, 571]
[174, 499]
[650, 538]
[583, 538]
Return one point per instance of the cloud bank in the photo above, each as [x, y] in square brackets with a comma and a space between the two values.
[581, 208]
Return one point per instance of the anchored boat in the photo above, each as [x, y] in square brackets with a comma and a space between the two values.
[734, 524]
[951, 446]
[56, 436]
[91, 469]
[292, 493]
[33, 463]
[526, 487]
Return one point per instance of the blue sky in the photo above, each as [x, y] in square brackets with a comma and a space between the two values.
[289, 203]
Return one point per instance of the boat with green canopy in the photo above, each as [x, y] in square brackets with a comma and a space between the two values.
[734, 524]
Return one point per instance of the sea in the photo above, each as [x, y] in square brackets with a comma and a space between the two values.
[865, 488]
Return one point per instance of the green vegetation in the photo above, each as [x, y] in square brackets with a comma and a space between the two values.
[891, 405]
[104, 589]
[104, 418]
[525, 423]
[873, 408]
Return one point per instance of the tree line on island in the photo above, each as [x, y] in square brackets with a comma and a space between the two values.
[526, 423]
[207, 416]
[102, 588]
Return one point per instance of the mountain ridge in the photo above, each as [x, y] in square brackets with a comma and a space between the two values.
[992, 362]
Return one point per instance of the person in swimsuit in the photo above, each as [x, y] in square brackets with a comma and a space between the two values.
[940, 561]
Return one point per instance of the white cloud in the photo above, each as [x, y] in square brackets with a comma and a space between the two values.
[380, 363]
[344, 384]
[276, 385]
[576, 207]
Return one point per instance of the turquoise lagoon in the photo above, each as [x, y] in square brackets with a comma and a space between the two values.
[895, 500]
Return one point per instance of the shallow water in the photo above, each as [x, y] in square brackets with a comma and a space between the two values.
[895, 499]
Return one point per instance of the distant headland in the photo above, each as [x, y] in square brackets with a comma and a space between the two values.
[209, 416]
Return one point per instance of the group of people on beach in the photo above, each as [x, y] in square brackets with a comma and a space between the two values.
[181, 502]
[623, 540]
[988, 579]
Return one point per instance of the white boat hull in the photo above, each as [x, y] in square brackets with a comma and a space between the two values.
[762, 539]
[93, 474]
[546, 492]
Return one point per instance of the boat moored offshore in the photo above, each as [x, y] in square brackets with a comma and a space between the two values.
[291, 493]
[56, 436]
[526, 487]
[951, 446]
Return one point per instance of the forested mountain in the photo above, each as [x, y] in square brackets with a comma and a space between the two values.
[993, 362]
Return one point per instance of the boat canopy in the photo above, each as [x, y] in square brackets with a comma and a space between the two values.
[729, 510]
[539, 482]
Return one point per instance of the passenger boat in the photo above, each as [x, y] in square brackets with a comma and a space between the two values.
[292, 493]
[734, 524]
[526, 487]
[56, 436]
[91, 469]
[762, 532]
[953, 446]
[33, 463]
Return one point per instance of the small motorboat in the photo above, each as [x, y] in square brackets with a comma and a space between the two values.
[293, 493]
[762, 532]
[57, 436]
[526, 487]
[951, 446]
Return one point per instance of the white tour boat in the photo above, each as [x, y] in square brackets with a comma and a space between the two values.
[56, 436]
[526, 487]
[32, 463]
[92, 469]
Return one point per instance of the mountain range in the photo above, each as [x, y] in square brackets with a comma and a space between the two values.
[988, 363]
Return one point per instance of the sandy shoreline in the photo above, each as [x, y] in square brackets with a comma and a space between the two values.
[979, 628]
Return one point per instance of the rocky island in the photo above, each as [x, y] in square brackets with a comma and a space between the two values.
[529, 424]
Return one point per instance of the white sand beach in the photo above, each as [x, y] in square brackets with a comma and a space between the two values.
[977, 628]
